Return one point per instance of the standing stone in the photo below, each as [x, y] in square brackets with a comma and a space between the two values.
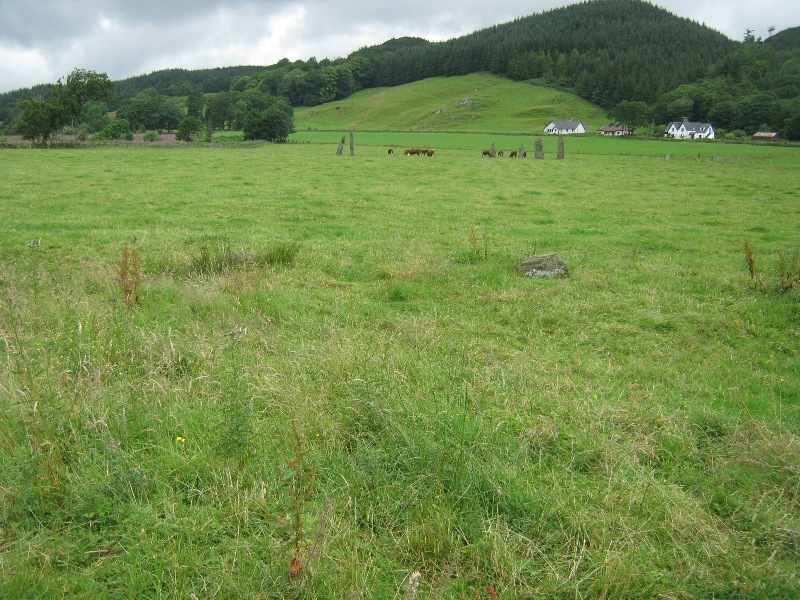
[539, 148]
[522, 151]
[352, 145]
[493, 151]
[560, 154]
[340, 148]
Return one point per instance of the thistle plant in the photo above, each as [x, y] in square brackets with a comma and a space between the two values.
[479, 247]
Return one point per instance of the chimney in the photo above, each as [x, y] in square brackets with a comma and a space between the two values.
[685, 119]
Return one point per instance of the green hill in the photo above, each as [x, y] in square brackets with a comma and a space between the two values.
[471, 103]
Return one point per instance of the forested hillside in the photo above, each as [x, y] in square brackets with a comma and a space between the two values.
[177, 82]
[754, 87]
[609, 50]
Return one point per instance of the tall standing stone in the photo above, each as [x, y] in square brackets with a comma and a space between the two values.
[539, 148]
[340, 148]
[560, 154]
[352, 145]
[493, 151]
[522, 151]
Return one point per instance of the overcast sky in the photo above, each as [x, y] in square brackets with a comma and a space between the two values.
[43, 40]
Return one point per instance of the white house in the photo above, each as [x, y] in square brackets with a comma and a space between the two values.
[615, 130]
[685, 130]
[564, 128]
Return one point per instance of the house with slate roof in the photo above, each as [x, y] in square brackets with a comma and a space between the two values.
[564, 128]
[686, 130]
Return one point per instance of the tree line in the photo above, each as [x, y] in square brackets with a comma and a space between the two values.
[82, 103]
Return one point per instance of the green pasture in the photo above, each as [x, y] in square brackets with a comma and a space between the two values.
[330, 375]
[473, 103]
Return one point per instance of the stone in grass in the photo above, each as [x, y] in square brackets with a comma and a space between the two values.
[544, 266]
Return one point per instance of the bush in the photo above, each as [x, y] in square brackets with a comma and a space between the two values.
[151, 136]
[118, 129]
[188, 129]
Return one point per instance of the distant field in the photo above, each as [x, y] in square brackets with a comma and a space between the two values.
[376, 143]
[331, 377]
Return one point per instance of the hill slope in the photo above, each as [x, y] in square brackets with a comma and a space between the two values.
[609, 50]
[478, 102]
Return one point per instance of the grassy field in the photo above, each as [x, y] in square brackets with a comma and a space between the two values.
[331, 377]
[473, 103]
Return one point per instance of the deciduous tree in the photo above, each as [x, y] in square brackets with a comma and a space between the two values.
[274, 123]
[41, 118]
[188, 129]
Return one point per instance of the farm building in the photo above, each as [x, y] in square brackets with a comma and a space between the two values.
[615, 130]
[765, 136]
[687, 130]
[564, 128]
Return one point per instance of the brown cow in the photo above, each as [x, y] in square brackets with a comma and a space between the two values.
[499, 153]
[487, 153]
[430, 151]
[391, 151]
[513, 154]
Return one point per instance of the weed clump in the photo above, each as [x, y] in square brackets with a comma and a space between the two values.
[787, 271]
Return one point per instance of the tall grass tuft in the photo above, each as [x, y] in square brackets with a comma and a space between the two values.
[279, 254]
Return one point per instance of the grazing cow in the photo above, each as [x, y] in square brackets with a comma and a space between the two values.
[391, 151]
[487, 153]
[430, 151]
[499, 153]
[524, 154]
[513, 154]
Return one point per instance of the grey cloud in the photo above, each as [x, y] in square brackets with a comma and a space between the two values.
[33, 23]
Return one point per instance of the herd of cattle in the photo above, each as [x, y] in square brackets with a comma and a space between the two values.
[431, 152]
[416, 151]
[512, 154]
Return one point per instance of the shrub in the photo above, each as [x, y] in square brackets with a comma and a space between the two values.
[188, 129]
[118, 129]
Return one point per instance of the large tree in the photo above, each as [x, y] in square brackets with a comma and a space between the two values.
[41, 118]
[631, 113]
[273, 123]
[151, 110]
[220, 109]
